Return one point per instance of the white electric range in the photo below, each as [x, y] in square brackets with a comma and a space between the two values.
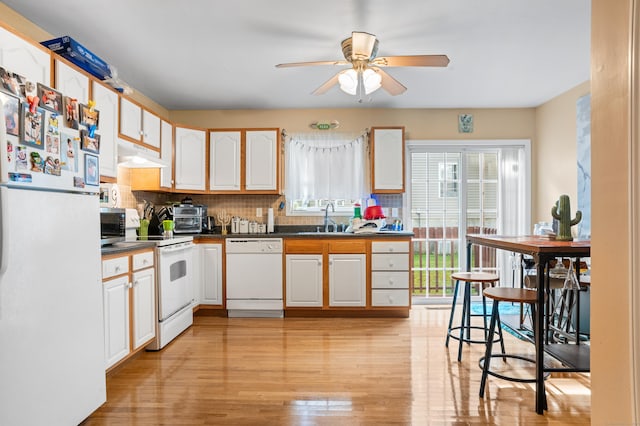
[174, 287]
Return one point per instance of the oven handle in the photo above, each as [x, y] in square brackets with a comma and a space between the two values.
[176, 247]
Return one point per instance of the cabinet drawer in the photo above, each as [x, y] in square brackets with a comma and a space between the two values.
[348, 247]
[115, 266]
[390, 279]
[390, 297]
[390, 247]
[142, 260]
[390, 262]
[303, 246]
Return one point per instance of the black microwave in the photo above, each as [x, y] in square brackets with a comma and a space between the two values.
[112, 225]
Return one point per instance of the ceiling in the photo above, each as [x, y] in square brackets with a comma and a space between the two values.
[204, 54]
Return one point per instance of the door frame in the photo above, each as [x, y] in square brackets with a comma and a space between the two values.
[467, 145]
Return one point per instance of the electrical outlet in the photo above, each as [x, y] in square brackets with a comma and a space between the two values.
[259, 212]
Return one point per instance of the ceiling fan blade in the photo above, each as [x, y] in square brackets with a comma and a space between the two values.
[326, 86]
[412, 61]
[390, 84]
[304, 64]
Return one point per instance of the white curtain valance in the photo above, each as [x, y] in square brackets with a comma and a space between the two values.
[327, 166]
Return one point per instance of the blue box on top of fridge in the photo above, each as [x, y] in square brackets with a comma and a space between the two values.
[73, 51]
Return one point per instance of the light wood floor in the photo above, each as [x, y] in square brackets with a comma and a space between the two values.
[328, 372]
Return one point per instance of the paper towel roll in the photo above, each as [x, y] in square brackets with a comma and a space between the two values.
[270, 220]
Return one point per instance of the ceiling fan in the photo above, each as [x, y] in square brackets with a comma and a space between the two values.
[366, 75]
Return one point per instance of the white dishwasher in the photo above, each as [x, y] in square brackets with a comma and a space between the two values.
[254, 277]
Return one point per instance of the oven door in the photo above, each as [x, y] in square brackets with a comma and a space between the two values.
[175, 291]
[187, 224]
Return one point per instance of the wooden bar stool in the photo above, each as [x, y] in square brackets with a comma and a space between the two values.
[465, 327]
[497, 295]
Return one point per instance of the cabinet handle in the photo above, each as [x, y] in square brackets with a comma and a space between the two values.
[145, 261]
[135, 283]
[391, 263]
[391, 281]
[117, 269]
[390, 248]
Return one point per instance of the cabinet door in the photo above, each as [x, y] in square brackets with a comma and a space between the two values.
[116, 319]
[261, 160]
[144, 303]
[211, 268]
[304, 280]
[224, 161]
[347, 280]
[166, 154]
[388, 160]
[73, 83]
[28, 60]
[150, 128]
[107, 103]
[130, 120]
[190, 159]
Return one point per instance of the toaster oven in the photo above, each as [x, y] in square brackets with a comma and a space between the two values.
[187, 219]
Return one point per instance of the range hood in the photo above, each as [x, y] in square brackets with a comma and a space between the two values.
[138, 157]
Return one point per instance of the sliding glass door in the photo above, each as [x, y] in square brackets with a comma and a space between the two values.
[461, 189]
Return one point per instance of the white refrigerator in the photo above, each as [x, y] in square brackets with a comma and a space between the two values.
[52, 368]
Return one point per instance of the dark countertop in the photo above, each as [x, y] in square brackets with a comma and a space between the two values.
[292, 231]
[304, 232]
[125, 247]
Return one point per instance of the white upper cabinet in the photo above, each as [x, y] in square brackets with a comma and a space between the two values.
[387, 160]
[107, 103]
[130, 119]
[244, 160]
[166, 154]
[72, 83]
[28, 60]
[190, 146]
[139, 125]
[150, 128]
[261, 171]
[225, 147]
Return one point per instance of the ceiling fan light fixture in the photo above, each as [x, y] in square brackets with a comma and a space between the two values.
[371, 80]
[348, 80]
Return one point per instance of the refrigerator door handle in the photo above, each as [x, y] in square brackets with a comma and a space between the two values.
[3, 236]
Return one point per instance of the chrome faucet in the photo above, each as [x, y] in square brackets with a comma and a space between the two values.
[327, 220]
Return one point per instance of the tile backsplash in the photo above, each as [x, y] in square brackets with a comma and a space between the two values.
[242, 205]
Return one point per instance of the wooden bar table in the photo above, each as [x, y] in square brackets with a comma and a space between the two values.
[574, 357]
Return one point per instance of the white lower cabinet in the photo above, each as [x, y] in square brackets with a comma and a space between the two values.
[116, 319]
[210, 256]
[129, 303]
[390, 273]
[347, 280]
[304, 280]
[144, 302]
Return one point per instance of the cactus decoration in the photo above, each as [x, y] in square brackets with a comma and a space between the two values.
[562, 213]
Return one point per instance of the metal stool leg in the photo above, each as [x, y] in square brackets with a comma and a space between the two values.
[484, 311]
[487, 354]
[466, 318]
[453, 310]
